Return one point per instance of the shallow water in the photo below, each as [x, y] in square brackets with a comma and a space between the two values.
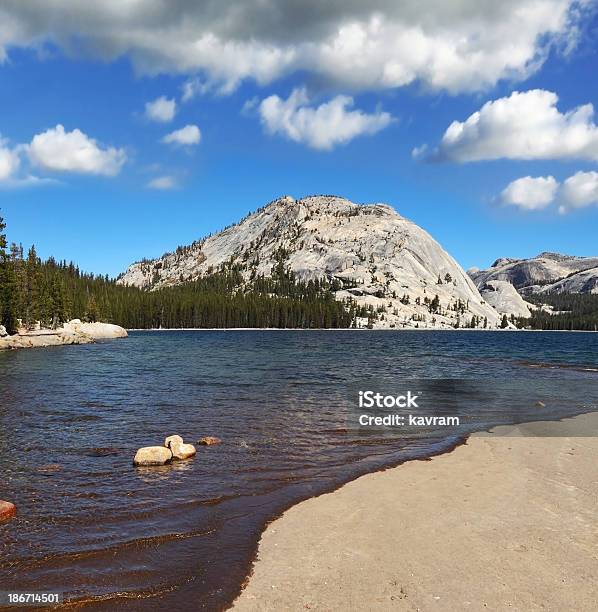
[95, 528]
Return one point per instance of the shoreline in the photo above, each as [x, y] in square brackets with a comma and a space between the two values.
[502, 520]
[73, 332]
[359, 329]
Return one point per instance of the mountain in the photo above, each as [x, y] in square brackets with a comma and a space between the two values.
[545, 273]
[503, 297]
[369, 253]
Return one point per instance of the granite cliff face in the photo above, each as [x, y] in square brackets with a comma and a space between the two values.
[381, 259]
[503, 297]
[545, 273]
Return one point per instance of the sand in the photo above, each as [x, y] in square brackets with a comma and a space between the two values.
[501, 523]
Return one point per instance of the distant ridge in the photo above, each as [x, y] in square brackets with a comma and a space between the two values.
[546, 273]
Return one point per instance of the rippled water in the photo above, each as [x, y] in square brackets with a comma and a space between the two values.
[112, 536]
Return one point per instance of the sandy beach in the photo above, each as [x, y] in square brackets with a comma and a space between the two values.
[508, 521]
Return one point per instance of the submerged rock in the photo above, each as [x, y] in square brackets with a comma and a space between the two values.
[209, 441]
[49, 468]
[153, 455]
[179, 449]
[103, 451]
[7, 511]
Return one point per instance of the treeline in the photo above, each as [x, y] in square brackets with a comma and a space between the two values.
[52, 292]
[219, 300]
[572, 311]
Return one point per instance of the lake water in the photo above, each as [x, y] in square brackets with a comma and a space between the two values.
[112, 536]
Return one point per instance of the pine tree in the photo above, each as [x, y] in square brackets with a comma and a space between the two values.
[8, 286]
[92, 312]
[31, 300]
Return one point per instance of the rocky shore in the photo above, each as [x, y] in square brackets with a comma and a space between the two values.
[73, 332]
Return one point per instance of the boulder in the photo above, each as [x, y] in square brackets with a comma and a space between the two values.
[3, 332]
[96, 331]
[209, 441]
[153, 455]
[183, 451]
[173, 441]
[179, 449]
[7, 511]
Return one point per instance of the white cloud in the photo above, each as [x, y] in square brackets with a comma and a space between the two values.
[60, 151]
[188, 135]
[9, 162]
[579, 191]
[454, 46]
[537, 193]
[12, 173]
[530, 193]
[525, 125]
[321, 127]
[162, 183]
[161, 109]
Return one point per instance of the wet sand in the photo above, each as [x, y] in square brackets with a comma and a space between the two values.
[506, 522]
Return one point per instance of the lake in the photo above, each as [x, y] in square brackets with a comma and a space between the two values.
[100, 531]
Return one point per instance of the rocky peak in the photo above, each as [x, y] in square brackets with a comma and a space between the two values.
[502, 261]
[381, 259]
[555, 256]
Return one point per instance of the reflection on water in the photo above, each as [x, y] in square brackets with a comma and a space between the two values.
[111, 535]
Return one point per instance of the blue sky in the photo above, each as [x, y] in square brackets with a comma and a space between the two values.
[90, 199]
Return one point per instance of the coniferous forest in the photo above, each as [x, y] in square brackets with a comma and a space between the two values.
[53, 292]
[577, 311]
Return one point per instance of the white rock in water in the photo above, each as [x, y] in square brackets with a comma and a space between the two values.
[97, 331]
[384, 260]
[179, 449]
[73, 332]
[183, 451]
[171, 441]
[152, 455]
